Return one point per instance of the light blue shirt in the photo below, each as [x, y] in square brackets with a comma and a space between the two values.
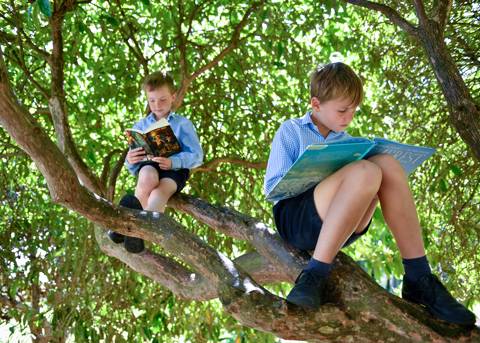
[291, 140]
[191, 155]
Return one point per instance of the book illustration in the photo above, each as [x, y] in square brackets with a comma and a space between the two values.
[320, 160]
[157, 140]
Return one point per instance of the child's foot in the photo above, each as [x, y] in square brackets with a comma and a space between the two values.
[132, 244]
[429, 292]
[309, 290]
[116, 237]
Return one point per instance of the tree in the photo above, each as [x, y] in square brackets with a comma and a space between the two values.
[229, 57]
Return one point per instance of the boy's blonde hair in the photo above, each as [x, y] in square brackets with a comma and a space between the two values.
[336, 80]
[156, 80]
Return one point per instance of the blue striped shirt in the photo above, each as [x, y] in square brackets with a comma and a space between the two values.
[191, 155]
[291, 140]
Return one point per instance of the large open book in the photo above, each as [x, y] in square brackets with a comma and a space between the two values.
[320, 160]
[157, 140]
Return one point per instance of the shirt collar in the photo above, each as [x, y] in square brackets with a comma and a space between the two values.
[169, 117]
[307, 120]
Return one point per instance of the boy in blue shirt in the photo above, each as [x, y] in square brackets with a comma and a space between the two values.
[338, 210]
[160, 177]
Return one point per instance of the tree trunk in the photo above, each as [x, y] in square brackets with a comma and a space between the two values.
[464, 113]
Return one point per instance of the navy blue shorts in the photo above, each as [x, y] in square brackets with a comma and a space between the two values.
[180, 176]
[299, 224]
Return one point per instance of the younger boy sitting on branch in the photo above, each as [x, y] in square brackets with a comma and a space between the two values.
[160, 177]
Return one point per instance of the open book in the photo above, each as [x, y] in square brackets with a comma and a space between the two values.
[320, 160]
[157, 140]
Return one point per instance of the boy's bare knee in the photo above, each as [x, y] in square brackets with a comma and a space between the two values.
[391, 168]
[147, 178]
[162, 192]
[386, 162]
[367, 173]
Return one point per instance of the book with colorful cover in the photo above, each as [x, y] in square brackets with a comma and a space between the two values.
[320, 160]
[157, 140]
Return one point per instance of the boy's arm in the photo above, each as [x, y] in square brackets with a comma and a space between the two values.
[284, 152]
[191, 155]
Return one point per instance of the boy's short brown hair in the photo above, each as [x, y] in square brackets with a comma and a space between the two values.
[156, 80]
[336, 80]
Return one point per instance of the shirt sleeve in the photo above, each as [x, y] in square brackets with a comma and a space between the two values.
[283, 154]
[191, 155]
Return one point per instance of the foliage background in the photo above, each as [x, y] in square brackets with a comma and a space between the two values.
[50, 263]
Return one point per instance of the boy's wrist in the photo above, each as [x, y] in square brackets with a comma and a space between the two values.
[176, 163]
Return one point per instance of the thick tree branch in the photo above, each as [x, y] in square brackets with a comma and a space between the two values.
[166, 271]
[421, 13]
[240, 226]
[106, 166]
[441, 13]
[464, 111]
[389, 12]
[58, 107]
[178, 279]
[112, 180]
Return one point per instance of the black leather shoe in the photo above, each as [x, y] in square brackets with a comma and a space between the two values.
[429, 292]
[133, 245]
[116, 237]
[309, 291]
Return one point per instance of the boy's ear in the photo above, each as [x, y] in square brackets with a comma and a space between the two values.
[315, 103]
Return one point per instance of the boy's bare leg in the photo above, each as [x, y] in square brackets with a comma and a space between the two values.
[147, 182]
[159, 196]
[419, 284]
[398, 207]
[345, 201]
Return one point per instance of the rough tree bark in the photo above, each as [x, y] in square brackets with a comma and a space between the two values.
[350, 315]
[464, 111]
[358, 309]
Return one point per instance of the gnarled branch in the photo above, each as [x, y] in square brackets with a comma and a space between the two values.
[57, 103]
[389, 12]
[441, 13]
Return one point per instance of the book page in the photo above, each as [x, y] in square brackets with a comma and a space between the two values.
[162, 122]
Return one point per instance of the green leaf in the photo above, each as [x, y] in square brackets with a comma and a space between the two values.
[110, 19]
[443, 185]
[45, 8]
[456, 170]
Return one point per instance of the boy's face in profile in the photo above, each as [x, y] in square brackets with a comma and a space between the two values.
[334, 114]
[160, 101]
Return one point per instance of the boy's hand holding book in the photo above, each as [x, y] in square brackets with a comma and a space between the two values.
[164, 162]
[136, 155]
